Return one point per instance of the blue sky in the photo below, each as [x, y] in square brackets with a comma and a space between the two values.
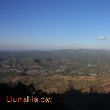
[54, 24]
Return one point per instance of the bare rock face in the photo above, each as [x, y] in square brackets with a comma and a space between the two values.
[61, 84]
[100, 89]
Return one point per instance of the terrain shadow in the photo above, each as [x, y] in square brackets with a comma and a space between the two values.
[70, 100]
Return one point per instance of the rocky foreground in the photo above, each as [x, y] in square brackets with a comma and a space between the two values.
[66, 92]
[61, 83]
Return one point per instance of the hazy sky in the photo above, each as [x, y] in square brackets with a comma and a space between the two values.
[54, 24]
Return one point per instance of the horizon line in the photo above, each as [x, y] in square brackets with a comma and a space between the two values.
[53, 49]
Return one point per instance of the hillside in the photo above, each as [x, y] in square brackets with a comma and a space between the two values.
[61, 83]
